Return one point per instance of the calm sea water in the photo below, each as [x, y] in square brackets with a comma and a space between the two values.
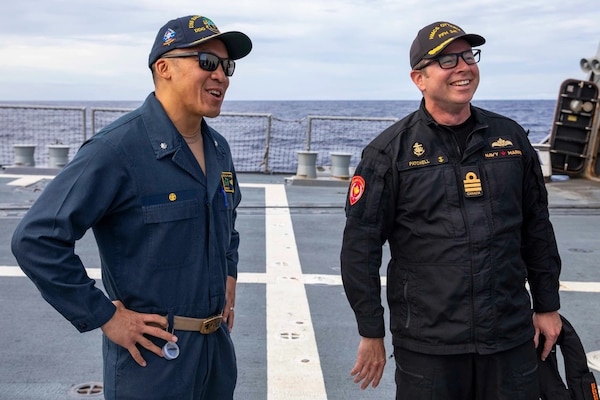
[287, 136]
[534, 115]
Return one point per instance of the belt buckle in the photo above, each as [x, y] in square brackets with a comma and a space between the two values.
[210, 325]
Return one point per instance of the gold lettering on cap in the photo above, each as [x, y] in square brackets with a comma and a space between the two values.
[446, 29]
[192, 21]
[433, 32]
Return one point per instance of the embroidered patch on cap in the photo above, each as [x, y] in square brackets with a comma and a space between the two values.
[168, 37]
[357, 188]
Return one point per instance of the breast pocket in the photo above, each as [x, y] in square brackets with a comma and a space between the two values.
[429, 202]
[503, 178]
[173, 233]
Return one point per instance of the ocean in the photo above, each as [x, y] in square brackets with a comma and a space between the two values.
[289, 127]
[534, 115]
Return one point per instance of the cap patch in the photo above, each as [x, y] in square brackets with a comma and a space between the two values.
[357, 188]
[168, 37]
[206, 24]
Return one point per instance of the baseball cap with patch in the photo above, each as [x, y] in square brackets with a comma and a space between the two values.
[192, 30]
[434, 38]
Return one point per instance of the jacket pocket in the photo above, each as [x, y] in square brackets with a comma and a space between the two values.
[173, 233]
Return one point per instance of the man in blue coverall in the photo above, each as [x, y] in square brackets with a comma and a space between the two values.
[159, 190]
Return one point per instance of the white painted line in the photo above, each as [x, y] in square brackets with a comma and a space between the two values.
[17, 272]
[593, 360]
[253, 185]
[307, 279]
[590, 287]
[26, 180]
[291, 343]
[8, 271]
[16, 176]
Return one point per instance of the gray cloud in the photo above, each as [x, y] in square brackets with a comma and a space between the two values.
[340, 49]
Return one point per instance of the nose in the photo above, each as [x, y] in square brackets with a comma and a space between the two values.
[219, 74]
[462, 64]
[461, 61]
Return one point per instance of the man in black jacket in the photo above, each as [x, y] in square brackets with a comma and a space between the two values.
[458, 194]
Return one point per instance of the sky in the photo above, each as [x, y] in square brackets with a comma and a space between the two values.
[302, 50]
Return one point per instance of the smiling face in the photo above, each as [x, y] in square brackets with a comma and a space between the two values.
[184, 89]
[448, 92]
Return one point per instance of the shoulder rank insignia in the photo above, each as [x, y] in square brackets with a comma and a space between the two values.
[472, 184]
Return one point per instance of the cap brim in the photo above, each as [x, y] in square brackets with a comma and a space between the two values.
[238, 44]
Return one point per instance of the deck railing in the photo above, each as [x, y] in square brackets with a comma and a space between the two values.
[259, 142]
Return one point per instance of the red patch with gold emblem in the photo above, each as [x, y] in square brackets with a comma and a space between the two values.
[357, 188]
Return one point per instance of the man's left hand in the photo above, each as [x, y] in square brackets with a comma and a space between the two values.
[549, 325]
[229, 302]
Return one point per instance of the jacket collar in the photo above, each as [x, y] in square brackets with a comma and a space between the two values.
[163, 135]
[477, 141]
[166, 141]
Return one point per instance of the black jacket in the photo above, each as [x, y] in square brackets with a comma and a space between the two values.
[465, 232]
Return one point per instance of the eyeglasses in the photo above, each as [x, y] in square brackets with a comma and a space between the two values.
[207, 61]
[450, 60]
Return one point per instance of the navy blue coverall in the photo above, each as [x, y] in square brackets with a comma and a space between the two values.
[167, 242]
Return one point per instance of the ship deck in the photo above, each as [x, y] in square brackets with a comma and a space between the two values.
[295, 334]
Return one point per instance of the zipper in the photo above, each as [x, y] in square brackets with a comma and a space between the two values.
[405, 294]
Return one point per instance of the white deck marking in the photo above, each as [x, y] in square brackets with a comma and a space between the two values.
[26, 180]
[17, 272]
[291, 343]
[590, 287]
[308, 279]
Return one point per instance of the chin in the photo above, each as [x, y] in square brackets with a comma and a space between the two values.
[212, 113]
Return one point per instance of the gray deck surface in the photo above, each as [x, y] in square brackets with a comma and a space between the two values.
[42, 356]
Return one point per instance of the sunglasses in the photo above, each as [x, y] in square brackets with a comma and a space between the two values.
[450, 60]
[207, 61]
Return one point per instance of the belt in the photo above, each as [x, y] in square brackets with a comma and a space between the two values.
[203, 325]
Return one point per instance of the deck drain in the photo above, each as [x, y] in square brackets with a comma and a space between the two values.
[89, 390]
[575, 250]
[289, 335]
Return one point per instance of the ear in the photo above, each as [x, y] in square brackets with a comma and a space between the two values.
[162, 68]
[418, 78]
